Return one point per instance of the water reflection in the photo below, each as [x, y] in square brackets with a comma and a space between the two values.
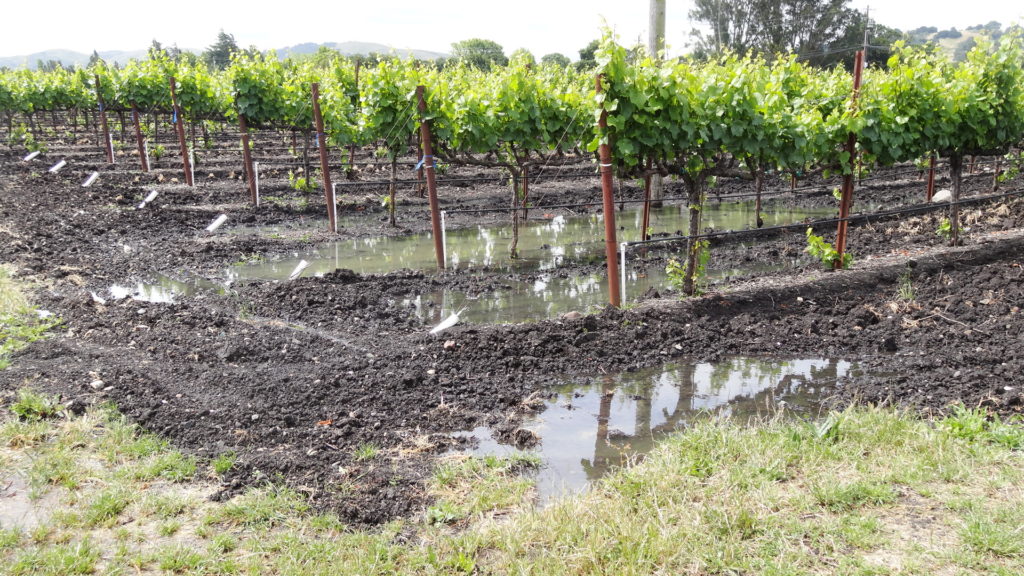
[543, 245]
[589, 429]
[163, 289]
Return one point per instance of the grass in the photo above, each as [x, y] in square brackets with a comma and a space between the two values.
[870, 492]
[20, 323]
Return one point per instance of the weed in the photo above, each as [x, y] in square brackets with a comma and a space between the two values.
[31, 406]
[906, 287]
[945, 229]
[223, 463]
[818, 248]
[366, 451]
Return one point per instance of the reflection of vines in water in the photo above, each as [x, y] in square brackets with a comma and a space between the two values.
[614, 448]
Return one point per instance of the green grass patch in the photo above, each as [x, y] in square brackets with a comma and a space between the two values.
[864, 492]
[20, 323]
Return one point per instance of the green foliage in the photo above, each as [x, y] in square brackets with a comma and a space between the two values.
[945, 229]
[818, 248]
[479, 53]
[223, 463]
[32, 406]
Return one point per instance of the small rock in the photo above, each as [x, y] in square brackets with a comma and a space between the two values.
[573, 315]
[943, 195]
[254, 417]
[97, 384]
[449, 344]
[431, 372]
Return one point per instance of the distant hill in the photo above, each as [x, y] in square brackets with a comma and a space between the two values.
[71, 58]
[953, 42]
[359, 49]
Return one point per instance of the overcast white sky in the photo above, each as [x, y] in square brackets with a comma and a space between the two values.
[540, 26]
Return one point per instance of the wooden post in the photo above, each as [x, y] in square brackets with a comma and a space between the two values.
[107, 144]
[646, 222]
[428, 167]
[931, 179]
[608, 191]
[851, 149]
[325, 168]
[179, 125]
[250, 170]
[143, 159]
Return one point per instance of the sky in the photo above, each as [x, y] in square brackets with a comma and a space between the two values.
[542, 27]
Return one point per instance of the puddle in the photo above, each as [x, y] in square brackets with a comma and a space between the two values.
[163, 289]
[543, 245]
[590, 429]
[546, 297]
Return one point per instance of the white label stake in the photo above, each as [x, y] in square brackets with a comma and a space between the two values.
[58, 166]
[216, 223]
[298, 270]
[256, 177]
[92, 178]
[30, 156]
[149, 198]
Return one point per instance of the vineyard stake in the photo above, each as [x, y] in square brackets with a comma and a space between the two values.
[931, 179]
[608, 191]
[143, 157]
[179, 124]
[325, 169]
[250, 170]
[646, 223]
[851, 149]
[428, 168]
[108, 145]
[623, 248]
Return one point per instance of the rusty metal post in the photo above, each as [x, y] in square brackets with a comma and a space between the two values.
[428, 167]
[107, 144]
[250, 170]
[179, 124]
[931, 180]
[143, 159]
[608, 192]
[646, 222]
[851, 149]
[325, 168]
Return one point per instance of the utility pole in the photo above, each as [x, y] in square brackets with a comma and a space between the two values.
[867, 23]
[655, 46]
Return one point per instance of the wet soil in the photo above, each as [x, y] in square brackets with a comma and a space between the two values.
[301, 377]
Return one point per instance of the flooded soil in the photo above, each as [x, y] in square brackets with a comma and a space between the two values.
[297, 375]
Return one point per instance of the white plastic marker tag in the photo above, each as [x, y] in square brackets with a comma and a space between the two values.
[92, 178]
[58, 166]
[216, 223]
[256, 175]
[149, 198]
[298, 270]
[448, 323]
[30, 156]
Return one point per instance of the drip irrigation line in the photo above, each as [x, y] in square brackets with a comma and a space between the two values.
[920, 209]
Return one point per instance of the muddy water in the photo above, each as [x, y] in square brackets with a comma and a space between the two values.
[589, 429]
[543, 244]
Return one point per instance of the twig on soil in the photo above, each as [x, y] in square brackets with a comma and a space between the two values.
[953, 320]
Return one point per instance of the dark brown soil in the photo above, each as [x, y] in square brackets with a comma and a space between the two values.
[297, 376]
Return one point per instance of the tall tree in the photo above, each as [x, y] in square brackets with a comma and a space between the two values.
[555, 59]
[808, 28]
[218, 56]
[479, 53]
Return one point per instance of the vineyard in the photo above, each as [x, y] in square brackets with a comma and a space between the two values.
[296, 262]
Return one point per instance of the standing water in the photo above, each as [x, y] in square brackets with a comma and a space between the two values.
[587, 430]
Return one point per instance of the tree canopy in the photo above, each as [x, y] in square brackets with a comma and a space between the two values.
[479, 53]
[218, 56]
